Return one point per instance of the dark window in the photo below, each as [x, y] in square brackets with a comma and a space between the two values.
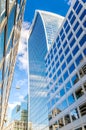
[84, 1]
[79, 32]
[60, 122]
[75, 5]
[70, 15]
[63, 66]
[84, 86]
[57, 39]
[84, 51]
[79, 128]
[53, 69]
[67, 51]
[71, 99]
[78, 59]
[51, 51]
[83, 109]
[60, 81]
[65, 76]
[79, 93]
[67, 119]
[51, 56]
[69, 58]
[83, 15]
[83, 40]
[70, 35]
[54, 45]
[73, 19]
[71, 68]
[65, 43]
[67, 29]
[72, 42]
[76, 26]
[62, 57]
[75, 50]
[61, 32]
[56, 58]
[52, 63]
[78, 9]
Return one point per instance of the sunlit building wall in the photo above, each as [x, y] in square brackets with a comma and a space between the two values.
[11, 16]
[42, 35]
[66, 72]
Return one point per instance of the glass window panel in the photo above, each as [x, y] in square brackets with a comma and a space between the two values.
[76, 26]
[68, 86]
[85, 86]
[63, 36]
[72, 42]
[70, 35]
[1, 45]
[61, 31]
[71, 99]
[76, 4]
[79, 59]
[70, 15]
[79, 32]
[75, 79]
[67, 51]
[59, 72]
[83, 40]
[73, 19]
[65, 24]
[74, 114]
[67, 29]
[82, 109]
[58, 45]
[84, 127]
[83, 14]
[2, 10]
[57, 64]
[62, 92]
[71, 68]
[67, 119]
[65, 43]
[79, 93]
[69, 58]
[62, 58]
[63, 66]
[84, 23]
[55, 50]
[84, 1]
[56, 58]
[60, 51]
[65, 76]
[79, 128]
[64, 104]
[75, 50]
[78, 9]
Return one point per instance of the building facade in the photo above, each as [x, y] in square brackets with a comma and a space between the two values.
[41, 36]
[11, 16]
[66, 72]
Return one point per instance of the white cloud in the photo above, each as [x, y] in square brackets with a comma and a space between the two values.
[69, 2]
[22, 83]
[22, 61]
[12, 105]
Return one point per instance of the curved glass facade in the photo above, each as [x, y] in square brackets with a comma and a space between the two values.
[37, 49]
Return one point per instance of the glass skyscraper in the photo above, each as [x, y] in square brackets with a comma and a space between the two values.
[43, 32]
[11, 16]
[66, 72]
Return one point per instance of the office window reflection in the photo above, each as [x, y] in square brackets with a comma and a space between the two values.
[60, 122]
[79, 92]
[71, 99]
[67, 119]
[74, 114]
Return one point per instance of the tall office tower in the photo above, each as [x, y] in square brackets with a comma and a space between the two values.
[42, 35]
[66, 72]
[11, 16]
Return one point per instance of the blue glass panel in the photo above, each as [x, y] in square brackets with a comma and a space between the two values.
[62, 57]
[56, 58]
[71, 68]
[65, 24]
[84, 23]
[75, 79]
[71, 99]
[73, 19]
[76, 26]
[62, 92]
[75, 5]
[83, 40]
[79, 9]
[64, 104]
[79, 32]
[67, 51]
[58, 44]
[63, 66]
[51, 56]
[65, 43]
[75, 50]
[54, 45]
[84, 1]
[83, 15]
[70, 15]
[68, 86]
[61, 31]
[1, 45]
[78, 59]
[55, 50]
[70, 35]
[65, 76]
[72, 42]
[63, 36]
[57, 64]
[69, 58]
[60, 51]
[59, 72]
[67, 29]
[52, 63]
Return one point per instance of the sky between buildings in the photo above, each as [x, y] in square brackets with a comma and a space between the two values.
[20, 79]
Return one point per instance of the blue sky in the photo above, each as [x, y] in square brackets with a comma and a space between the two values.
[20, 75]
